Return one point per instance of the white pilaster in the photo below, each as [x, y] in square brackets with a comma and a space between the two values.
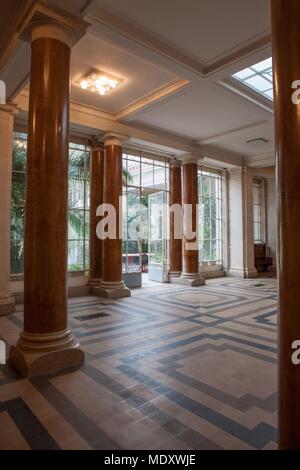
[241, 243]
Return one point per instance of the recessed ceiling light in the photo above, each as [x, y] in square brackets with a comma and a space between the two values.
[99, 82]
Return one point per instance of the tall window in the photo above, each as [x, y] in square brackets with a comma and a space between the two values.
[257, 212]
[78, 205]
[145, 182]
[18, 202]
[210, 217]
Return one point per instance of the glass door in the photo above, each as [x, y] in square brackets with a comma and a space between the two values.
[158, 235]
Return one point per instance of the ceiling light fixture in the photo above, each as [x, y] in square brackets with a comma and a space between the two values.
[99, 82]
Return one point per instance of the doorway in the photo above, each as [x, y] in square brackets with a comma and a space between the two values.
[145, 219]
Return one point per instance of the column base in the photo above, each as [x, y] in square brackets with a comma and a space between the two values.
[40, 354]
[94, 282]
[173, 275]
[190, 280]
[112, 290]
[7, 306]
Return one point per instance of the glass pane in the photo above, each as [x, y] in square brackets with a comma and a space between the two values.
[75, 255]
[133, 172]
[76, 225]
[258, 82]
[18, 189]
[133, 213]
[213, 229]
[87, 256]
[244, 74]
[76, 163]
[147, 175]
[17, 257]
[206, 231]
[76, 194]
[87, 163]
[205, 185]
[159, 177]
[19, 156]
[206, 250]
[87, 225]
[265, 64]
[213, 208]
[17, 223]
[256, 213]
[87, 194]
[133, 257]
[213, 250]
[206, 207]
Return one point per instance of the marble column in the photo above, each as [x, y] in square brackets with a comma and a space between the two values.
[175, 250]
[286, 69]
[7, 302]
[112, 285]
[241, 242]
[47, 344]
[96, 200]
[190, 249]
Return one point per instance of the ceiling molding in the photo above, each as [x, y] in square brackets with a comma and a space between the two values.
[95, 122]
[260, 161]
[238, 88]
[151, 98]
[109, 18]
[241, 52]
[220, 137]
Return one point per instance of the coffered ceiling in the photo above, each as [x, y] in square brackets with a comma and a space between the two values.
[175, 59]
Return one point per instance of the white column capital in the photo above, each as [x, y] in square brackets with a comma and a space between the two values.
[52, 30]
[190, 158]
[9, 108]
[113, 138]
[45, 21]
[175, 163]
[96, 144]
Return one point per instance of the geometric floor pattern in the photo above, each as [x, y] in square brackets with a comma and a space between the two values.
[169, 368]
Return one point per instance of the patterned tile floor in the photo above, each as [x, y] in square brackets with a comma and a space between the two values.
[169, 368]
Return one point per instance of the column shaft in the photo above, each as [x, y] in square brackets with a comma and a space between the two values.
[190, 255]
[175, 202]
[286, 64]
[7, 302]
[112, 284]
[96, 199]
[46, 341]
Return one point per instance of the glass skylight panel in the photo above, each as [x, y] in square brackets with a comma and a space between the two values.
[259, 77]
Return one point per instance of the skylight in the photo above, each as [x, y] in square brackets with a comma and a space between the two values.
[258, 77]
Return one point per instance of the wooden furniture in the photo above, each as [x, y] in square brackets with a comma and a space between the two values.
[262, 262]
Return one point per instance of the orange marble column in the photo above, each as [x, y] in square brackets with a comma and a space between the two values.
[286, 64]
[112, 285]
[47, 344]
[175, 252]
[190, 256]
[96, 199]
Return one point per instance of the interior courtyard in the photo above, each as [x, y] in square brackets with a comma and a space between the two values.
[149, 163]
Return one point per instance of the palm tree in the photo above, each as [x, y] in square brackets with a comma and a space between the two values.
[79, 163]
